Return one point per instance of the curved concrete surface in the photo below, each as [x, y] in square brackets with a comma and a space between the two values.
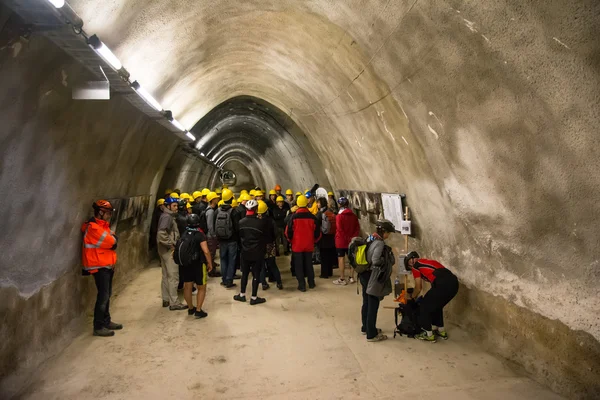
[484, 114]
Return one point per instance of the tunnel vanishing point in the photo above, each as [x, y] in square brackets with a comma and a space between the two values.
[485, 114]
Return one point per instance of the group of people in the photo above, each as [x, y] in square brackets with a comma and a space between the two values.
[250, 231]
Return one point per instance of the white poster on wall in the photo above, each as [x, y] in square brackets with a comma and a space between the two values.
[392, 208]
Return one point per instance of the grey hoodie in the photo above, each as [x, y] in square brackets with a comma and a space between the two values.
[382, 260]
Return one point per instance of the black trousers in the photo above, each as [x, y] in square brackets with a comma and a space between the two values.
[443, 289]
[328, 261]
[270, 269]
[304, 269]
[103, 279]
[255, 267]
[370, 307]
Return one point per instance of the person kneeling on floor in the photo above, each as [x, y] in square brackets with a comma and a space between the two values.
[192, 253]
[444, 286]
[376, 282]
[252, 237]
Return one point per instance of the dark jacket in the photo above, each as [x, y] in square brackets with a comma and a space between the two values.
[279, 215]
[199, 208]
[303, 231]
[252, 236]
[269, 229]
[235, 221]
[241, 209]
[347, 227]
[181, 220]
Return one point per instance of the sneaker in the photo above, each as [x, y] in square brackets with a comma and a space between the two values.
[280, 286]
[266, 286]
[442, 334]
[103, 332]
[378, 338]
[379, 332]
[165, 303]
[113, 326]
[424, 336]
[258, 300]
[200, 314]
[237, 297]
[230, 285]
[351, 280]
[191, 311]
[178, 307]
[340, 281]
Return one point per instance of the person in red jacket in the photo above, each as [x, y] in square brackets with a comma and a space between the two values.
[99, 258]
[347, 227]
[303, 231]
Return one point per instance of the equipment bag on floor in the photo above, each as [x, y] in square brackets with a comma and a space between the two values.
[409, 324]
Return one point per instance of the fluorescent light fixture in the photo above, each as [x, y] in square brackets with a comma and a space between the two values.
[57, 3]
[178, 125]
[189, 134]
[202, 154]
[146, 96]
[105, 52]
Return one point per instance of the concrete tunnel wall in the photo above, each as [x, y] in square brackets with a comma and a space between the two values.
[484, 114]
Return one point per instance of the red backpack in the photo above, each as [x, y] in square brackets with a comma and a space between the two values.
[331, 218]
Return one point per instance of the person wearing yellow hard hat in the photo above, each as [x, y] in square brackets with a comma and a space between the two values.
[244, 197]
[289, 197]
[218, 191]
[244, 191]
[199, 205]
[168, 192]
[279, 212]
[303, 231]
[270, 267]
[174, 195]
[227, 222]
[160, 202]
[271, 200]
[185, 196]
[332, 202]
[259, 195]
[234, 203]
[211, 237]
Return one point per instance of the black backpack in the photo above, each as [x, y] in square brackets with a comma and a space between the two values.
[187, 250]
[409, 324]
[224, 224]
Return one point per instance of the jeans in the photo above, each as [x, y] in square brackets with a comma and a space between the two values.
[103, 279]
[304, 268]
[443, 289]
[228, 256]
[255, 267]
[370, 307]
[270, 264]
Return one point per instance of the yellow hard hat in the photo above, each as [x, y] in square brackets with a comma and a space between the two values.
[234, 203]
[185, 196]
[168, 191]
[244, 191]
[220, 203]
[174, 195]
[244, 197]
[252, 192]
[272, 191]
[289, 191]
[188, 205]
[302, 201]
[205, 192]
[227, 194]
[160, 202]
[218, 191]
[294, 209]
[279, 198]
[298, 194]
[211, 196]
[262, 207]
[258, 193]
[196, 194]
[329, 193]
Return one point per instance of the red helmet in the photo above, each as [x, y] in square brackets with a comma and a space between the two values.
[103, 205]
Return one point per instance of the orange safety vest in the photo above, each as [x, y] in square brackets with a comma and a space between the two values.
[97, 244]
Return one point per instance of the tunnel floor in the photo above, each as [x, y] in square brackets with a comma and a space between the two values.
[296, 346]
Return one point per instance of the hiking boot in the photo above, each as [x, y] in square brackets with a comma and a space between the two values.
[442, 334]
[237, 297]
[258, 300]
[178, 307]
[266, 286]
[165, 303]
[380, 337]
[104, 331]
[230, 285]
[424, 336]
[191, 311]
[200, 314]
[280, 286]
[340, 281]
[113, 326]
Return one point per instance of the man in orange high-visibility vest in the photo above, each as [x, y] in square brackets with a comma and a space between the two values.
[99, 257]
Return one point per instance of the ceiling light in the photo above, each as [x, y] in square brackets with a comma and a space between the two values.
[146, 96]
[105, 52]
[202, 154]
[57, 3]
[177, 124]
[189, 134]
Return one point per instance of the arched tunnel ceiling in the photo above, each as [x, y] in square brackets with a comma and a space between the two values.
[483, 113]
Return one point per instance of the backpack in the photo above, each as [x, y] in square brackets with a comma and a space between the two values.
[203, 222]
[224, 224]
[187, 250]
[357, 254]
[409, 324]
[331, 218]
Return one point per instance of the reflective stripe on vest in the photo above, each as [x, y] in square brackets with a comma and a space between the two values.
[97, 245]
[93, 268]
